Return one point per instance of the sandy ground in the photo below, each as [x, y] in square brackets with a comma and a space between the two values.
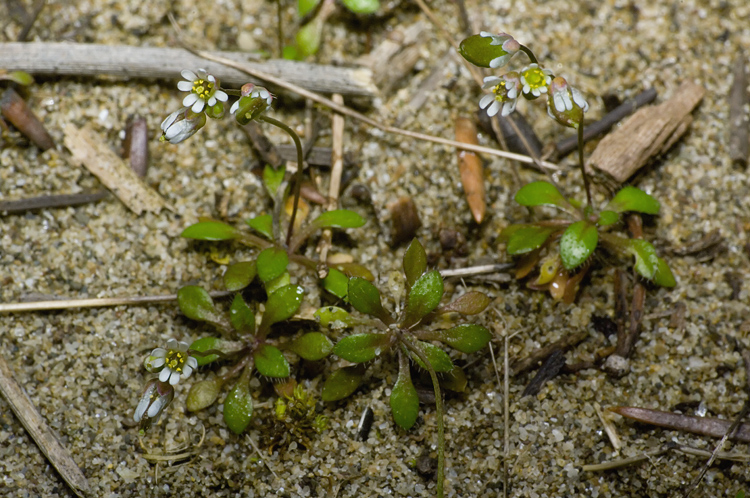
[82, 368]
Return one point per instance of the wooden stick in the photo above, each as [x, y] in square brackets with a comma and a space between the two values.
[88, 59]
[51, 201]
[739, 122]
[64, 304]
[706, 426]
[40, 432]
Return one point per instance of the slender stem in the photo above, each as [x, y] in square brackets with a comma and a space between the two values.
[438, 409]
[526, 50]
[580, 163]
[300, 167]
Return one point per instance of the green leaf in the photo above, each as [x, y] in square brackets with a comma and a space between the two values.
[271, 263]
[467, 338]
[471, 303]
[479, 51]
[438, 358]
[308, 38]
[312, 346]
[334, 317]
[239, 275]
[362, 6]
[541, 194]
[238, 406]
[262, 224]
[277, 283]
[415, 262]
[281, 305]
[241, 316]
[607, 218]
[203, 394]
[342, 383]
[339, 218]
[424, 297]
[196, 303]
[359, 348]
[633, 199]
[272, 179]
[663, 275]
[213, 343]
[270, 361]
[336, 283]
[20, 77]
[210, 230]
[404, 400]
[306, 6]
[577, 243]
[365, 298]
[521, 239]
[647, 262]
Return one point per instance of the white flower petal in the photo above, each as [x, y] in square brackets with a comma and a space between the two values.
[156, 407]
[202, 74]
[559, 103]
[179, 132]
[164, 374]
[157, 362]
[198, 106]
[234, 107]
[211, 101]
[187, 371]
[170, 119]
[221, 96]
[492, 110]
[172, 344]
[174, 379]
[190, 99]
[189, 75]
[211, 78]
[486, 100]
[192, 362]
[508, 107]
[182, 346]
[141, 408]
[184, 86]
[159, 352]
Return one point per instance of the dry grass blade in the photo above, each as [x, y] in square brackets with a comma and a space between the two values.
[40, 432]
[739, 121]
[706, 426]
[470, 167]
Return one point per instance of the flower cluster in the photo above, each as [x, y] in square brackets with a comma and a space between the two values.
[565, 104]
[173, 364]
[205, 98]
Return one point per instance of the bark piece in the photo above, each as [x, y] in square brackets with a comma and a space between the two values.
[89, 59]
[40, 432]
[89, 149]
[15, 110]
[706, 426]
[470, 167]
[649, 132]
[739, 122]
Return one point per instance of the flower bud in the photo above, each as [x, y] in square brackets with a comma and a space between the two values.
[255, 100]
[156, 397]
[566, 104]
[509, 48]
[181, 125]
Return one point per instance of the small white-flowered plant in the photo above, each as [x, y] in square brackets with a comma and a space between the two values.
[509, 45]
[535, 81]
[504, 96]
[204, 90]
[566, 104]
[173, 363]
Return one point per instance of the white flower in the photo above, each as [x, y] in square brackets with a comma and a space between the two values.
[203, 88]
[181, 125]
[505, 91]
[509, 45]
[535, 81]
[155, 398]
[566, 104]
[173, 363]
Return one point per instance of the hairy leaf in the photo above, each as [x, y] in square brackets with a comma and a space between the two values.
[415, 262]
[213, 343]
[339, 218]
[269, 361]
[334, 317]
[633, 199]
[471, 303]
[521, 239]
[281, 305]
[438, 358]
[241, 316]
[210, 230]
[312, 346]
[271, 263]
[238, 406]
[203, 394]
[541, 194]
[404, 400]
[262, 224]
[342, 383]
[239, 275]
[196, 303]
[424, 297]
[577, 243]
[362, 6]
[359, 348]
[365, 298]
[336, 283]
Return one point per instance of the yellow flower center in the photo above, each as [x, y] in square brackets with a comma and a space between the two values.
[175, 360]
[535, 78]
[203, 88]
